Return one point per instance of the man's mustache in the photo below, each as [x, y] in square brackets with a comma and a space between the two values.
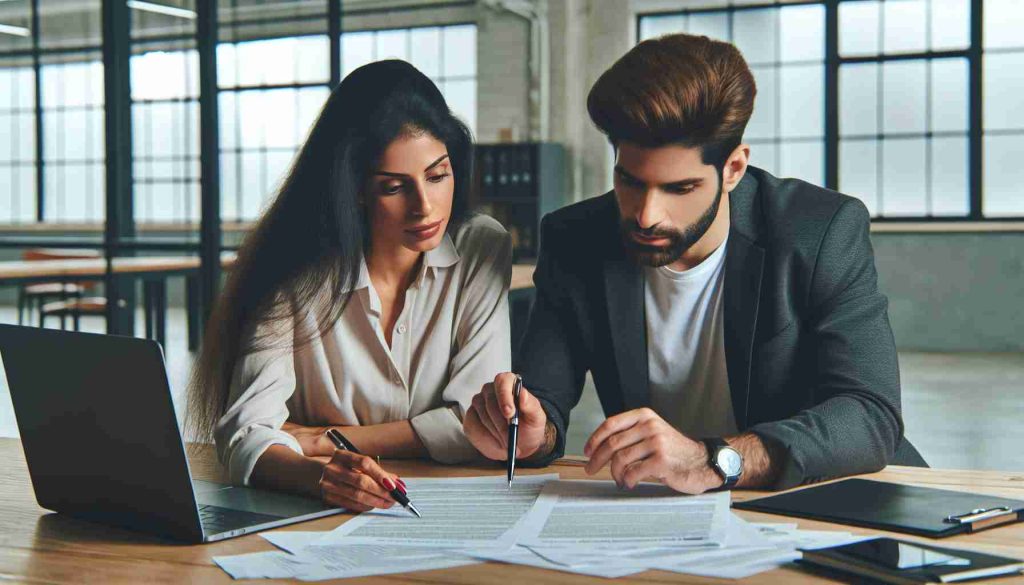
[651, 232]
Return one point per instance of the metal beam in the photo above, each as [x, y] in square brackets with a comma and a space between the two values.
[37, 72]
[209, 159]
[120, 220]
[334, 34]
[975, 146]
[832, 94]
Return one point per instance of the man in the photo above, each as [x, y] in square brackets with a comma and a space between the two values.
[731, 320]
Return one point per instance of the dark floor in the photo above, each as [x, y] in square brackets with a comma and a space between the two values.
[961, 410]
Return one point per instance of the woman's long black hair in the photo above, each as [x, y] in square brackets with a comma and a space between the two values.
[304, 253]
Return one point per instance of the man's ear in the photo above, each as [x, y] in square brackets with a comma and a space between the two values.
[735, 167]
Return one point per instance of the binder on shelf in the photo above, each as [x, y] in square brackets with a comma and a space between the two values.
[517, 184]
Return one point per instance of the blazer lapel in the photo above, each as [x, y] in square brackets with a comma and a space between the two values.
[744, 263]
[624, 292]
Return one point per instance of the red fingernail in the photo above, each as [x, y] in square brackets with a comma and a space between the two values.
[401, 488]
[400, 481]
[390, 485]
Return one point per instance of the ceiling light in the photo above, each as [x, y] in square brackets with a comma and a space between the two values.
[161, 9]
[18, 31]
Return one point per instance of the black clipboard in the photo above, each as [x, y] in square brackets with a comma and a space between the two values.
[895, 507]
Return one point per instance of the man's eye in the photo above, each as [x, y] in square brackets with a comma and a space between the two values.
[681, 190]
[630, 182]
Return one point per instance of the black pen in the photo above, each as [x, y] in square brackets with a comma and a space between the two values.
[342, 443]
[513, 431]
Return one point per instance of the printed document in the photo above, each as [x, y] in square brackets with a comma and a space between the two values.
[589, 513]
[463, 512]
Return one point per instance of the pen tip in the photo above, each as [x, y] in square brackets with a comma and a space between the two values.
[415, 511]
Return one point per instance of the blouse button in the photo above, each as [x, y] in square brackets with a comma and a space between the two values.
[402, 328]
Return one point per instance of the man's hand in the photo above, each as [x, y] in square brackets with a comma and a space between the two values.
[641, 446]
[486, 421]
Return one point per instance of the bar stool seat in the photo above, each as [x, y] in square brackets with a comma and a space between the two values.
[53, 289]
[84, 305]
[74, 308]
[40, 293]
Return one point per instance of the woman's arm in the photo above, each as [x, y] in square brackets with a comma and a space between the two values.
[481, 338]
[396, 440]
[347, 480]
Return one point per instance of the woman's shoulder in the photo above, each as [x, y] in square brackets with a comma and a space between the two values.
[480, 232]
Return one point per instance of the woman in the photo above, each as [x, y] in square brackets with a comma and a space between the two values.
[363, 300]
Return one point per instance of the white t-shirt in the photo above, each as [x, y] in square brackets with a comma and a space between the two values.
[689, 384]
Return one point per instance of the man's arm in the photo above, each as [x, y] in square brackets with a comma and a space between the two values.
[548, 355]
[551, 369]
[639, 445]
[856, 424]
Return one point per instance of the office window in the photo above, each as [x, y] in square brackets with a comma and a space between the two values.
[17, 142]
[71, 100]
[902, 91]
[165, 115]
[903, 123]
[273, 68]
[785, 49]
[73, 138]
[445, 54]
[261, 131]
[17, 116]
[1003, 126]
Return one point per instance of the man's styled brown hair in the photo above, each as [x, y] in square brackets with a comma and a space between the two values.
[676, 89]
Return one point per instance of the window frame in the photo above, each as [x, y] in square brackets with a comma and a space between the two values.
[975, 132]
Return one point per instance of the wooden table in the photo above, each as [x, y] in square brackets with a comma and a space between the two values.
[38, 546]
[155, 270]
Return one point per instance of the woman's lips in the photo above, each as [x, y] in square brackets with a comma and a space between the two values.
[425, 232]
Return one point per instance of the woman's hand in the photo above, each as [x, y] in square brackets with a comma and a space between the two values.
[313, 441]
[356, 482]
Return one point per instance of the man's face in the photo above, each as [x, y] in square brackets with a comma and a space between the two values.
[668, 198]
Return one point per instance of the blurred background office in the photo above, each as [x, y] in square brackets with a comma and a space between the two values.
[140, 139]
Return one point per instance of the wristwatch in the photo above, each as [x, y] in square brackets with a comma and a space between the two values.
[726, 461]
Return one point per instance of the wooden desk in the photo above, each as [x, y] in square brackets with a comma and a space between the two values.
[152, 270]
[522, 277]
[37, 546]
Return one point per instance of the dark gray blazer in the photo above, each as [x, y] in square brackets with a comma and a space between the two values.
[809, 351]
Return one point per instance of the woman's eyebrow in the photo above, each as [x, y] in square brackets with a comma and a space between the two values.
[401, 175]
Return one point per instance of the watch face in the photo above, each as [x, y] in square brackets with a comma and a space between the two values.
[729, 461]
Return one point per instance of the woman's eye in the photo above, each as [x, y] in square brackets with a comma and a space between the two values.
[438, 178]
[391, 189]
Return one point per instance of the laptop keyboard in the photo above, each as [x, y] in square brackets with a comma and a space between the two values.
[216, 519]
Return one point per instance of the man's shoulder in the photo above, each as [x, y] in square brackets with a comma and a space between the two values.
[599, 209]
[587, 227]
[794, 210]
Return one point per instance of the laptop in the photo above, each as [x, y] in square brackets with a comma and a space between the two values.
[102, 441]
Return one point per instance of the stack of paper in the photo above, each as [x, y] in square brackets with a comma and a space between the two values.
[586, 527]
[479, 513]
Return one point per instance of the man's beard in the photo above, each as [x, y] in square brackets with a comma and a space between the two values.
[679, 242]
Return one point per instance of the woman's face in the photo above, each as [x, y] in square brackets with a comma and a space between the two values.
[409, 194]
